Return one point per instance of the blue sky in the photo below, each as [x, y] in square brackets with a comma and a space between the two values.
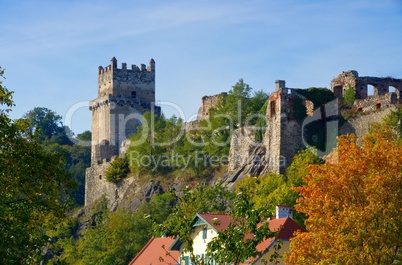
[51, 49]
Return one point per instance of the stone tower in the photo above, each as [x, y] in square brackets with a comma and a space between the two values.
[283, 136]
[123, 96]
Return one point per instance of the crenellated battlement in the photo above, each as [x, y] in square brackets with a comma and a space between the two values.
[134, 68]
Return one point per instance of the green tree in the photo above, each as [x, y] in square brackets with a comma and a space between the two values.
[215, 199]
[47, 128]
[45, 124]
[394, 122]
[247, 229]
[349, 96]
[34, 188]
[112, 237]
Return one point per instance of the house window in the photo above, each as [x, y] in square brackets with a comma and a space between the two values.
[204, 232]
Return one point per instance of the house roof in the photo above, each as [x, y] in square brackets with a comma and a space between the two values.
[218, 222]
[285, 227]
[154, 253]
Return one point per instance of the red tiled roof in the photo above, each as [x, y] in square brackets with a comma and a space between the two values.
[286, 227]
[153, 253]
[289, 227]
[217, 221]
[222, 221]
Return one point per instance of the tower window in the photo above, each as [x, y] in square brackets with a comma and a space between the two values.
[133, 94]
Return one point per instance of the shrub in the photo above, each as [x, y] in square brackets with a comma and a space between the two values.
[349, 96]
[118, 169]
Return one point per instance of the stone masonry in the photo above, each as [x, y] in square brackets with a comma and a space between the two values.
[123, 96]
[284, 135]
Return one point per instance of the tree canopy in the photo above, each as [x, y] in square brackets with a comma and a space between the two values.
[34, 188]
[353, 205]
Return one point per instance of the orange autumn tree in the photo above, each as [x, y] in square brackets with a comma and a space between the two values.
[354, 206]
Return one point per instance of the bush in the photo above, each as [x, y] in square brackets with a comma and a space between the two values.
[349, 97]
[118, 169]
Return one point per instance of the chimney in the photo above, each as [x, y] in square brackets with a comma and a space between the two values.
[283, 211]
[280, 84]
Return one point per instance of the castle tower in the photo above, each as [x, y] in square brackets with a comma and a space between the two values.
[283, 136]
[123, 96]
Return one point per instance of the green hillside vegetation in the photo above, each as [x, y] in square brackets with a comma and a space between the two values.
[163, 147]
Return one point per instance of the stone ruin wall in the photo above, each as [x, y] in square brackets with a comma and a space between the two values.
[368, 108]
[96, 186]
[360, 84]
[209, 102]
[360, 124]
[280, 142]
[283, 136]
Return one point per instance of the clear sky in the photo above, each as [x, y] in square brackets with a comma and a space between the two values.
[51, 49]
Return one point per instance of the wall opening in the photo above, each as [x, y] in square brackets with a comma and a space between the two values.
[360, 109]
[272, 107]
[100, 176]
[338, 91]
[378, 106]
[391, 89]
[370, 90]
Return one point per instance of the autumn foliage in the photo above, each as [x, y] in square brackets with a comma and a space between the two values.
[354, 206]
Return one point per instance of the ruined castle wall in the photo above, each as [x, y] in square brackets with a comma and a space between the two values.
[283, 136]
[96, 185]
[351, 79]
[374, 103]
[360, 124]
[272, 136]
[209, 102]
[242, 146]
